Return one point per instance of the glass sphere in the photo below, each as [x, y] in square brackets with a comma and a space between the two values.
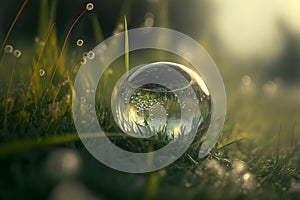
[161, 98]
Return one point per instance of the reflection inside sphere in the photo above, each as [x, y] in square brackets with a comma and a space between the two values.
[161, 98]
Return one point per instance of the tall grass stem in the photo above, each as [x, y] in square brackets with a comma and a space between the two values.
[126, 45]
[65, 44]
[8, 94]
[10, 30]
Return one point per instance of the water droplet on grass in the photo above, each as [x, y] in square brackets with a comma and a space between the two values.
[17, 53]
[42, 72]
[91, 55]
[82, 99]
[159, 100]
[90, 91]
[83, 61]
[8, 49]
[89, 6]
[79, 42]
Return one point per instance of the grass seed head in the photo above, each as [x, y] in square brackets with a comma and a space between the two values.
[17, 53]
[83, 61]
[91, 55]
[89, 6]
[8, 49]
[79, 42]
[85, 54]
[42, 72]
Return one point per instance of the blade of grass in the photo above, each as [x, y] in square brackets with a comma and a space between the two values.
[163, 15]
[293, 138]
[232, 142]
[43, 17]
[53, 117]
[52, 13]
[125, 10]
[35, 67]
[33, 75]
[126, 45]
[10, 30]
[281, 163]
[11, 148]
[19, 146]
[278, 144]
[65, 44]
[150, 156]
[153, 185]
[98, 34]
[8, 94]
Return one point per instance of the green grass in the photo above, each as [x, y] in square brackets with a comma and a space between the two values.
[41, 156]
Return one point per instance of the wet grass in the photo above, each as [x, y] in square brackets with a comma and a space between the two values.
[41, 156]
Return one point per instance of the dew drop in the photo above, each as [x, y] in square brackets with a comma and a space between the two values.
[42, 72]
[8, 49]
[165, 97]
[37, 39]
[17, 53]
[83, 61]
[91, 55]
[90, 91]
[89, 6]
[79, 42]
[82, 99]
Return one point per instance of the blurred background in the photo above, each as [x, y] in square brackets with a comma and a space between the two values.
[258, 39]
[255, 35]
[255, 44]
